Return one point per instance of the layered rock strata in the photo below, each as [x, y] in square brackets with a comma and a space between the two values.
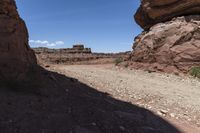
[155, 11]
[172, 46]
[77, 49]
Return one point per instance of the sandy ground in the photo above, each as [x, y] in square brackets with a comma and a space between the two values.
[177, 99]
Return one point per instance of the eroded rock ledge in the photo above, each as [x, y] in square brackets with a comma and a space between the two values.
[172, 46]
[16, 56]
[155, 11]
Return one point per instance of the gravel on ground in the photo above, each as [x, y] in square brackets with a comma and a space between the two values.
[169, 96]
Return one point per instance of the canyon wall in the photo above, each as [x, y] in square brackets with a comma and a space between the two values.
[170, 41]
[16, 58]
[155, 11]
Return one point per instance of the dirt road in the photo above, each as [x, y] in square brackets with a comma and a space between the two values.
[174, 98]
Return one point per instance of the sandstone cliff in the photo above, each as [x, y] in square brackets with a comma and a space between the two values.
[77, 49]
[76, 55]
[16, 56]
[156, 11]
[169, 46]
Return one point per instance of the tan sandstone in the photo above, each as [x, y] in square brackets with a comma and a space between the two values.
[172, 46]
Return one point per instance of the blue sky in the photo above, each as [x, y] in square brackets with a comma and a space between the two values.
[103, 25]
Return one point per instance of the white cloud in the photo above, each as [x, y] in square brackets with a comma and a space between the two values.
[59, 43]
[31, 41]
[51, 44]
[46, 43]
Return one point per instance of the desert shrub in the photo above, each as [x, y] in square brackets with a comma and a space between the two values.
[126, 65]
[118, 61]
[195, 71]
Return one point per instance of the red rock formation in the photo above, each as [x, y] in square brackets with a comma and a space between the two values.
[16, 57]
[155, 11]
[171, 46]
[76, 55]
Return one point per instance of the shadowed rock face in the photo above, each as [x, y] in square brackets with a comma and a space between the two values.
[155, 11]
[16, 57]
[171, 46]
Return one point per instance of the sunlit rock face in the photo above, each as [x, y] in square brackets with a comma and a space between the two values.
[171, 37]
[172, 46]
[154, 11]
[16, 57]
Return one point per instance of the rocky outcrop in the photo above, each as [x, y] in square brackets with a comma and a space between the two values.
[76, 55]
[155, 11]
[77, 49]
[172, 46]
[16, 57]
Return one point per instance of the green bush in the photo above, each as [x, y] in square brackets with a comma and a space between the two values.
[118, 61]
[195, 71]
[126, 65]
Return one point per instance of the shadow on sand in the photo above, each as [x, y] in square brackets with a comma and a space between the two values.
[54, 103]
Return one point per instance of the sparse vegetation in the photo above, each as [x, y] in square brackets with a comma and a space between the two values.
[195, 71]
[118, 61]
[126, 65]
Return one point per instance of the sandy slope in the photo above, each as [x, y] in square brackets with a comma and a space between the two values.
[174, 98]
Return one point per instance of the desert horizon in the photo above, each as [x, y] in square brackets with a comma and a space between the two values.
[100, 66]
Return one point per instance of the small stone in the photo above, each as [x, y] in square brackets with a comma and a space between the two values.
[159, 113]
[122, 128]
[162, 112]
[172, 115]
[94, 124]
[47, 66]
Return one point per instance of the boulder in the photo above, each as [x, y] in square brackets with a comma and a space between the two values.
[171, 46]
[155, 11]
[16, 59]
